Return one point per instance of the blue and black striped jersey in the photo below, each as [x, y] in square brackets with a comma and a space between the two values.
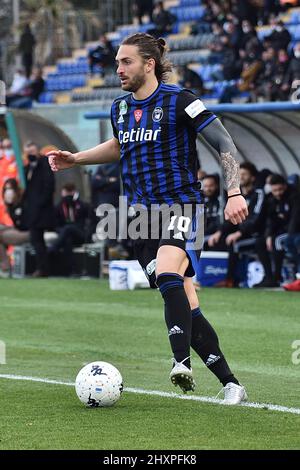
[157, 139]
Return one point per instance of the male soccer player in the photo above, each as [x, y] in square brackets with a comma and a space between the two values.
[155, 128]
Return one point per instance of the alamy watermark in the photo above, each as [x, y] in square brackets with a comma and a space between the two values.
[295, 96]
[296, 353]
[2, 93]
[2, 352]
[183, 222]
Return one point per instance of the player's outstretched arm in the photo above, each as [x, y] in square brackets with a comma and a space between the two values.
[215, 134]
[107, 152]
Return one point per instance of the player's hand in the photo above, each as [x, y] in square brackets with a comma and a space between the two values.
[236, 210]
[214, 239]
[233, 237]
[269, 243]
[60, 160]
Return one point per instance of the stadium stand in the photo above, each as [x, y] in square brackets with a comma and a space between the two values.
[70, 80]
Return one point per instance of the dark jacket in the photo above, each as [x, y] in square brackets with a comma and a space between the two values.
[255, 222]
[72, 211]
[38, 196]
[105, 191]
[283, 214]
[16, 213]
[212, 215]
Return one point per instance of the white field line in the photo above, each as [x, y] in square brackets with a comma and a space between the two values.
[264, 406]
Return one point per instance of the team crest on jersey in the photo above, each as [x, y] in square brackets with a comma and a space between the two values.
[157, 114]
[138, 113]
[122, 110]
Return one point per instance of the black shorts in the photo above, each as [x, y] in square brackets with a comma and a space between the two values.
[183, 231]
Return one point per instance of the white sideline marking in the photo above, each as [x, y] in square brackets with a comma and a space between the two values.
[140, 391]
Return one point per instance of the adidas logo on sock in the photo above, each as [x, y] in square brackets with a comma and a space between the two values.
[211, 360]
[175, 331]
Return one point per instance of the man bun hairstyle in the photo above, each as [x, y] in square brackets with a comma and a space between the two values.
[151, 48]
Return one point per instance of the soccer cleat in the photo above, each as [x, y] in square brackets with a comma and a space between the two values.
[234, 394]
[182, 376]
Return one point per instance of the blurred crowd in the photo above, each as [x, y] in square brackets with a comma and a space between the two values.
[271, 233]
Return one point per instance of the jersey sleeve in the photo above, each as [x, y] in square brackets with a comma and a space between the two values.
[113, 120]
[191, 111]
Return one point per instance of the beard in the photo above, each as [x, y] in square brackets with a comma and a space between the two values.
[135, 83]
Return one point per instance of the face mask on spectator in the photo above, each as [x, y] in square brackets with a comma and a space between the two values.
[297, 54]
[9, 196]
[282, 58]
[32, 158]
[68, 199]
[279, 29]
[267, 188]
[8, 152]
[246, 29]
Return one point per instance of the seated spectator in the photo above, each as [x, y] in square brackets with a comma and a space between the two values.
[18, 86]
[142, 8]
[15, 234]
[8, 169]
[249, 73]
[280, 36]
[103, 55]
[211, 191]
[292, 76]
[163, 21]
[106, 190]
[72, 216]
[241, 237]
[190, 79]
[32, 91]
[264, 81]
[282, 207]
[281, 66]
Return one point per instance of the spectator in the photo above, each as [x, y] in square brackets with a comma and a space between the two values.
[72, 216]
[282, 211]
[16, 234]
[103, 55]
[248, 33]
[249, 73]
[281, 66]
[241, 237]
[189, 78]
[106, 190]
[163, 21]
[142, 8]
[212, 204]
[38, 203]
[17, 87]
[280, 37]
[292, 76]
[106, 185]
[264, 82]
[26, 47]
[31, 92]
[8, 169]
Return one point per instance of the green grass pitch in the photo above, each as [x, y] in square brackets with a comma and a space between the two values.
[52, 327]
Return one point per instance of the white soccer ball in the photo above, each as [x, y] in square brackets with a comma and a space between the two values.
[99, 384]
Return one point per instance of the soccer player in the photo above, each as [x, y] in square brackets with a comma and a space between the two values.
[155, 128]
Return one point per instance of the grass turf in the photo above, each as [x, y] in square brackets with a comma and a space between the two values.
[52, 327]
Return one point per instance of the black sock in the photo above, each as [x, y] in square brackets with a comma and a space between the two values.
[178, 315]
[205, 342]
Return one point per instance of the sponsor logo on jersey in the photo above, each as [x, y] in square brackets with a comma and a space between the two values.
[138, 113]
[195, 108]
[157, 114]
[138, 135]
[122, 110]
